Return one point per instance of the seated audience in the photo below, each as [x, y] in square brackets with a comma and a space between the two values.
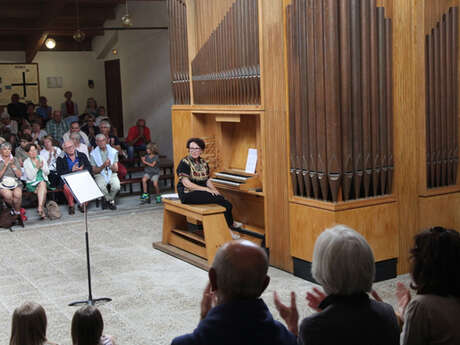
[433, 315]
[114, 142]
[232, 311]
[10, 178]
[56, 127]
[151, 171]
[101, 115]
[69, 109]
[31, 115]
[16, 109]
[138, 138]
[343, 263]
[43, 110]
[13, 140]
[91, 107]
[90, 129]
[36, 172]
[50, 153]
[21, 153]
[7, 124]
[88, 327]
[26, 130]
[104, 160]
[37, 133]
[28, 326]
[75, 128]
[79, 146]
[71, 161]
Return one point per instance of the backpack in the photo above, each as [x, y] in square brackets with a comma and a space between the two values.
[7, 220]
[52, 210]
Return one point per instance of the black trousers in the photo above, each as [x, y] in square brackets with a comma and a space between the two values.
[202, 197]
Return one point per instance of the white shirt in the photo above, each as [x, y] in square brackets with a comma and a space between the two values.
[45, 155]
[83, 137]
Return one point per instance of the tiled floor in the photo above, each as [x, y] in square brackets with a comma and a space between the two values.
[155, 296]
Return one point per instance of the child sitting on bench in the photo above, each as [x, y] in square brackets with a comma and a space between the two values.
[151, 172]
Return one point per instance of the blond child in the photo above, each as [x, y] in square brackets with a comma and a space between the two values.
[151, 172]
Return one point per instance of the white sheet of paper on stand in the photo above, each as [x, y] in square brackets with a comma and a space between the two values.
[83, 186]
[252, 161]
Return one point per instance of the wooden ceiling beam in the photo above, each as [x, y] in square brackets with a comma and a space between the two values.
[49, 14]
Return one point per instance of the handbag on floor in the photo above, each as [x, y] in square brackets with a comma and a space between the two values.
[53, 211]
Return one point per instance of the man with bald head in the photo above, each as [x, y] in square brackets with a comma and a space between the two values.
[232, 311]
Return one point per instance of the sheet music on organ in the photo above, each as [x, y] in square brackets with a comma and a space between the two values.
[251, 161]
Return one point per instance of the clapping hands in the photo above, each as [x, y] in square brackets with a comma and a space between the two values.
[208, 301]
[289, 314]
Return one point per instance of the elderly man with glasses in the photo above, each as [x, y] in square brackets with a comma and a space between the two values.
[71, 161]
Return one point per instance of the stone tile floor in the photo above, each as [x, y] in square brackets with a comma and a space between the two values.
[155, 296]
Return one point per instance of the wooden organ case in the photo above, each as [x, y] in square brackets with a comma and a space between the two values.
[351, 105]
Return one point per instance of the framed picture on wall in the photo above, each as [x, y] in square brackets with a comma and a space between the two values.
[21, 79]
[54, 82]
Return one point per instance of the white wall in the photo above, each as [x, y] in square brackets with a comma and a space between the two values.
[144, 68]
[12, 56]
[76, 68]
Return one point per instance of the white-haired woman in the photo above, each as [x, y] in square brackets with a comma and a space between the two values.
[343, 263]
[10, 168]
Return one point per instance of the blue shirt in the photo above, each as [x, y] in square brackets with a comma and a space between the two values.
[72, 163]
[43, 112]
[245, 322]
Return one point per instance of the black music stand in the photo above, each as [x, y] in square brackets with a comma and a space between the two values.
[84, 189]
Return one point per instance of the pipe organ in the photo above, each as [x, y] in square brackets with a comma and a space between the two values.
[442, 101]
[352, 108]
[178, 49]
[340, 99]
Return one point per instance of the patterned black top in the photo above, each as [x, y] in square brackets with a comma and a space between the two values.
[197, 171]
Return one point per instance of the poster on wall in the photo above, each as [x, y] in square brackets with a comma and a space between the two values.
[21, 79]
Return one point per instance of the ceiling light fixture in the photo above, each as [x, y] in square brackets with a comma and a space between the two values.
[79, 35]
[126, 19]
[50, 43]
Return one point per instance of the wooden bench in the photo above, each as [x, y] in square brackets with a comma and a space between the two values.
[180, 242]
[166, 174]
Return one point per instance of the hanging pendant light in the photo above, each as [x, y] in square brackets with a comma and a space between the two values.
[126, 19]
[79, 35]
[50, 43]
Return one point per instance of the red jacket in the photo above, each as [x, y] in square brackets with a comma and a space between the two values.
[133, 134]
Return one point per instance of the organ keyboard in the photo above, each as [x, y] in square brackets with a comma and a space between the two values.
[236, 179]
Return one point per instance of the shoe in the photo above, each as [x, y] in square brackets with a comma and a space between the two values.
[104, 204]
[158, 199]
[237, 225]
[144, 196]
[112, 205]
[42, 214]
[81, 208]
[20, 220]
[71, 209]
[235, 236]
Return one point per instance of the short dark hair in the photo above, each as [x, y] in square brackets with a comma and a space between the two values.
[29, 146]
[26, 137]
[436, 262]
[87, 326]
[78, 123]
[198, 141]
